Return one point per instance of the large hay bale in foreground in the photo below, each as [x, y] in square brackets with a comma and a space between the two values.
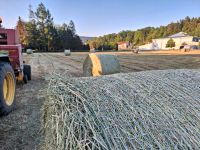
[145, 110]
[100, 64]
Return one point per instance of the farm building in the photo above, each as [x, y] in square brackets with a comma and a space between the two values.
[180, 40]
[124, 45]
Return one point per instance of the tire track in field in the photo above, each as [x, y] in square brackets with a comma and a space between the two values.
[142, 63]
[67, 65]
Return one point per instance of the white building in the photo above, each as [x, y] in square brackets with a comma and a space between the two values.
[180, 39]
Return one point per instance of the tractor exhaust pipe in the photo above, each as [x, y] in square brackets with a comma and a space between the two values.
[0, 22]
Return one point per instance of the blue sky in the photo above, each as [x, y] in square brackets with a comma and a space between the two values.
[99, 17]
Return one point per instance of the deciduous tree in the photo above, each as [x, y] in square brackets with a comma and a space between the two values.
[21, 30]
[170, 43]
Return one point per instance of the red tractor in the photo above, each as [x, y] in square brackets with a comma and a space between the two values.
[12, 68]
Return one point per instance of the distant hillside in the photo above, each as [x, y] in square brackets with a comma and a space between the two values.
[84, 39]
[188, 25]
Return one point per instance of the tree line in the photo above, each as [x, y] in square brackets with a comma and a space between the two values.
[143, 36]
[42, 34]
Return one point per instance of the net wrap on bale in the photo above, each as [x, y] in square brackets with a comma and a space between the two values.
[67, 52]
[145, 110]
[100, 64]
[29, 51]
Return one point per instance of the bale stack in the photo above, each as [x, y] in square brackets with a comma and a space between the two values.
[67, 52]
[145, 110]
[100, 64]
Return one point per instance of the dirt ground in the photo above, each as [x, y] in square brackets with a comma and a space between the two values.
[21, 128]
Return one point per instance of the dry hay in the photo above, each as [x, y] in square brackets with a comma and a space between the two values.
[100, 64]
[145, 110]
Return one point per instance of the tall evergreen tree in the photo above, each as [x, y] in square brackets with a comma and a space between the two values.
[31, 29]
[43, 35]
[44, 24]
[71, 28]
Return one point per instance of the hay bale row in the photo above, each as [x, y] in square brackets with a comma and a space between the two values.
[100, 64]
[145, 110]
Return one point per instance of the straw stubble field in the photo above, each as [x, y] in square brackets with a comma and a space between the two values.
[21, 128]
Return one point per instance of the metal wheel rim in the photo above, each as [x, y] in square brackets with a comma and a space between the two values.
[9, 88]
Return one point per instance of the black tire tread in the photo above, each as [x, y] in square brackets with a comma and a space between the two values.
[27, 71]
[4, 110]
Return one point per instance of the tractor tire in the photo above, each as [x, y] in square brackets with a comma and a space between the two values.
[27, 71]
[7, 88]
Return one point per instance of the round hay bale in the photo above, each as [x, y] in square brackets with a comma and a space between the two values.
[100, 64]
[144, 110]
[29, 51]
[67, 52]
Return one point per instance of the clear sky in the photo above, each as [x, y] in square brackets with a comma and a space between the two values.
[99, 17]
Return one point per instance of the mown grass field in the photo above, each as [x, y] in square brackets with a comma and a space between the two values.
[21, 128]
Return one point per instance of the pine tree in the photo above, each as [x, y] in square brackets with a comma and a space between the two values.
[40, 32]
[71, 28]
[32, 31]
[45, 24]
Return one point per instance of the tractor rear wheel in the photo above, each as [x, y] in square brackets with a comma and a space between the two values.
[7, 88]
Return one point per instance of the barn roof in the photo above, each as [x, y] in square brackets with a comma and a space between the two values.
[180, 34]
